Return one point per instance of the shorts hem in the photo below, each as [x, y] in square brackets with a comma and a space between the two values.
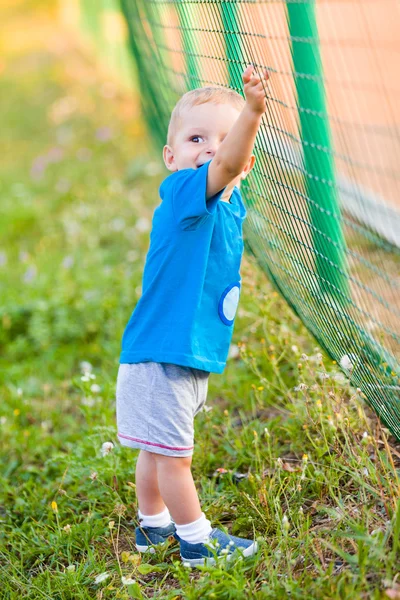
[155, 448]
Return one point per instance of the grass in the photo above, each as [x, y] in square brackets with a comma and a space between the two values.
[288, 452]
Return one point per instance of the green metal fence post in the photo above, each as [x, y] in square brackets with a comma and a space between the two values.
[234, 52]
[188, 39]
[328, 239]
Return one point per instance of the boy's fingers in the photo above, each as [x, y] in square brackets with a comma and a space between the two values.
[258, 82]
[246, 77]
[264, 76]
[252, 78]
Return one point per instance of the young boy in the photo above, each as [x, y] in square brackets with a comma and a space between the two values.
[182, 325]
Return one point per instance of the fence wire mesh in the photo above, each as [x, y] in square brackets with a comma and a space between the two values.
[323, 198]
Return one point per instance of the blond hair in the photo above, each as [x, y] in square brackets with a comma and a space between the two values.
[212, 94]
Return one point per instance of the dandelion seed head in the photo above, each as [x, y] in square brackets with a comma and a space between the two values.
[106, 448]
[339, 377]
[142, 225]
[128, 581]
[132, 255]
[118, 224]
[102, 577]
[323, 375]
[347, 361]
[30, 274]
[366, 439]
[285, 523]
[234, 351]
[302, 387]
[85, 367]
[88, 401]
[68, 262]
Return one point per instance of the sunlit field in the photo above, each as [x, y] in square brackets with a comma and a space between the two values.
[286, 451]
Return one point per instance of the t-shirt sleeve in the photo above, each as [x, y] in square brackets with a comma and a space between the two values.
[186, 191]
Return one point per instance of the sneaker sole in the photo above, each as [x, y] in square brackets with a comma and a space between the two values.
[209, 560]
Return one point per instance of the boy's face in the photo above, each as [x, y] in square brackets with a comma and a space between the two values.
[201, 130]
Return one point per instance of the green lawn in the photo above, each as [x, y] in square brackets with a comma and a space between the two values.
[320, 490]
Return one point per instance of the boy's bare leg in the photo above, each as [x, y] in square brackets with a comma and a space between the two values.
[177, 488]
[147, 490]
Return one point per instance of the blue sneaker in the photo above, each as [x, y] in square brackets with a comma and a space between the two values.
[219, 546]
[150, 538]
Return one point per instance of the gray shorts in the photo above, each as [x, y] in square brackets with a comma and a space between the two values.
[156, 406]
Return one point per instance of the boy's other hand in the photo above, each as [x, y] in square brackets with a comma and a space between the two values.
[254, 89]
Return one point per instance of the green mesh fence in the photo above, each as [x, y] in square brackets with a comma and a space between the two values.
[323, 202]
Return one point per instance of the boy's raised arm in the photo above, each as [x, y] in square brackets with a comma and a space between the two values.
[235, 151]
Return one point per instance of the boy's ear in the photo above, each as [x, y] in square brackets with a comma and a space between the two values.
[169, 159]
[248, 167]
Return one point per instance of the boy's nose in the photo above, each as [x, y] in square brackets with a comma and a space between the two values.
[211, 151]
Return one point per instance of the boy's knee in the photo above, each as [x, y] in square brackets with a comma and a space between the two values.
[176, 462]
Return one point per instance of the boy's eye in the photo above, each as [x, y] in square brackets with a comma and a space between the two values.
[196, 138]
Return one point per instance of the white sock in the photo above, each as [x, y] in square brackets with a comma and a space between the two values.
[196, 532]
[163, 519]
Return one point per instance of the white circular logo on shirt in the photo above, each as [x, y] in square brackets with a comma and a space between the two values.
[228, 303]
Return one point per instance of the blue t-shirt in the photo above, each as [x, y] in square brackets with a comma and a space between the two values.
[191, 279]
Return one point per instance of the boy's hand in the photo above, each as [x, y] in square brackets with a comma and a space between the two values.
[234, 154]
[254, 89]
